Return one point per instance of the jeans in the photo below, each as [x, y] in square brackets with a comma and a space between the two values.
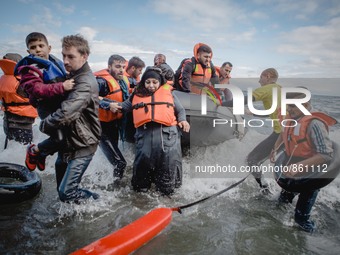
[304, 204]
[69, 176]
[109, 145]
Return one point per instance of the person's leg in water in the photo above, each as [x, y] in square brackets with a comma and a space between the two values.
[258, 155]
[143, 164]
[109, 145]
[68, 189]
[303, 209]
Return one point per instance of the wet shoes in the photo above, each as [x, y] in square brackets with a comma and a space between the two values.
[34, 159]
[308, 226]
[31, 158]
[41, 162]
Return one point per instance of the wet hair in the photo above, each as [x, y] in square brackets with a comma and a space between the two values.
[35, 36]
[77, 41]
[136, 62]
[204, 48]
[117, 58]
[227, 63]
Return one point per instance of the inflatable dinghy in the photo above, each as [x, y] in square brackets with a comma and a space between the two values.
[203, 132]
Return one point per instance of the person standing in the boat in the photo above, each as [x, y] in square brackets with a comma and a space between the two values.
[264, 93]
[156, 115]
[113, 87]
[224, 77]
[306, 145]
[78, 116]
[195, 73]
[167, 72]
[133, 71]
[19, 115]
[159, 59]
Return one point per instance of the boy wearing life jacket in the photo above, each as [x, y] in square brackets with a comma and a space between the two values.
[43, 81]
[196, 73]
[306, 145]
[19, 115]
[156, 115]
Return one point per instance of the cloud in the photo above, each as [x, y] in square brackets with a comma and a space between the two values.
[63, 8]
[45, 18]
[201, 14]
[88, 32]
[319, 45]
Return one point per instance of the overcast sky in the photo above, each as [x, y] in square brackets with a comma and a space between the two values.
[300, 38]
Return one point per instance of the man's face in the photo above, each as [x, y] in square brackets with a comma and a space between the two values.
[295, 112]
[73, 60]
[116, 69]
[39, 48]
[159, 59]
[137, 72]
[225, 71]
[264, 79]
[204, 58]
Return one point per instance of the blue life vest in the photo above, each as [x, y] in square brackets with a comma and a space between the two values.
[53, 69]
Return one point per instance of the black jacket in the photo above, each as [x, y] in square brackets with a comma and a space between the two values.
[78, 115]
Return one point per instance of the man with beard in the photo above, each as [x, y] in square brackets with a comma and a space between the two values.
[113, 87]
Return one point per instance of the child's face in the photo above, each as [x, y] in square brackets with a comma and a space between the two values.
[39, 48]
[152, 84]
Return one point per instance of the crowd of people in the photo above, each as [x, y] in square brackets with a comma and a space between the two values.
[80, 109]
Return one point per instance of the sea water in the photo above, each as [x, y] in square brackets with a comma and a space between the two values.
[240, 221]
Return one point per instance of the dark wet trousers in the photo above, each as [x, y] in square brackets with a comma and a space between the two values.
[52, 144]
[69, 176]
[158, 158]
[260, 153]
[304, 204]
[109, 145]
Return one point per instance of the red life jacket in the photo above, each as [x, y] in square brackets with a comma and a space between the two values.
[296, 140]
[11, 101]
[158, 107]
[115, 94]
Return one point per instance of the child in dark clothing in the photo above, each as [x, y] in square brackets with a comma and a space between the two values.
[43, 80]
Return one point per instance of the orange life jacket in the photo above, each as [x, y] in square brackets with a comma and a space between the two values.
[115, 94]
[11, 101]
[296, 140]
[199, 74]
[158, 107]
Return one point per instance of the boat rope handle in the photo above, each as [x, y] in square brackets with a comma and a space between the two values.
[180, 208]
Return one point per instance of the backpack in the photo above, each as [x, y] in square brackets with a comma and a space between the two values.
[178, 73]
